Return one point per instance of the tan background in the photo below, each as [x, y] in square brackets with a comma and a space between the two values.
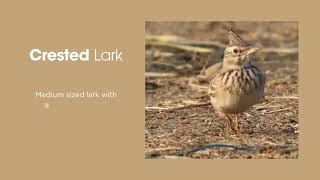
[95, 140]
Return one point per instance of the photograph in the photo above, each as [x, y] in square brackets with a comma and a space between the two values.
[221, 90]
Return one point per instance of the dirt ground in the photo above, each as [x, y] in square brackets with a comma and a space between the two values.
[179, 120]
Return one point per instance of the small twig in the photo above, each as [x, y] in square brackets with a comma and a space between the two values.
[156, 108]
[204, 88]
[207, 146]
[178, 108]
[265, 106]
[174, 46]
[278, 110]
[154, 74]
[281, 50]
[211, 44]
[284, 97]
[162, 149]
[162, 38]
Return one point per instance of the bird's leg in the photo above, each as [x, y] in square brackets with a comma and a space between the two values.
[228, 122]
[236, 127]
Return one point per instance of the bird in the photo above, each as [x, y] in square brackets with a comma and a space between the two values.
[235, 84]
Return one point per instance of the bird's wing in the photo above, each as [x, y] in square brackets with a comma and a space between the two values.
[212, 74]
[212, 71]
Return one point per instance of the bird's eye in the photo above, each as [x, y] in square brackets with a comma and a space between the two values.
[235, 50]
[240, 51]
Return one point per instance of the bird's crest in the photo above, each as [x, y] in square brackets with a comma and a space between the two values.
[234, 39]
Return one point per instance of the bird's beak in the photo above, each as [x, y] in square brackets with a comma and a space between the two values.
[252, 49]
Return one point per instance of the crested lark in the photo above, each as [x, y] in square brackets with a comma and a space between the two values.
[236, 84]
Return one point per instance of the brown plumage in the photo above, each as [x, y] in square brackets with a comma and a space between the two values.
[236, 84]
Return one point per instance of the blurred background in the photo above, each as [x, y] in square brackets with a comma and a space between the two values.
[278, 39]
